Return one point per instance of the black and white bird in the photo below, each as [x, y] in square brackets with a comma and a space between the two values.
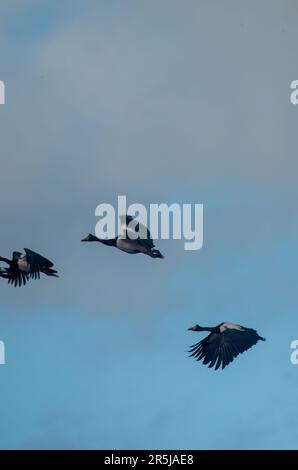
[223, 343]
[22, 267]
[133, 238]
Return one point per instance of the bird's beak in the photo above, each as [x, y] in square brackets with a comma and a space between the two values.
[192, 328]
[85, 239]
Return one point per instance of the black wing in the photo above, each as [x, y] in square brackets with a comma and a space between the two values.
[39, 264]
[220, 349]
[144, 236]
[148, 242]
[4, 273]
[34, 259]
[14, 275]
[7, 261]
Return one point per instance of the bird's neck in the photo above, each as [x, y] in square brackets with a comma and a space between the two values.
[109, 241]
[210, 329]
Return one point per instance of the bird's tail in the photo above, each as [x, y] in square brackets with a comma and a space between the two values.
[156, 254]
[261, 338]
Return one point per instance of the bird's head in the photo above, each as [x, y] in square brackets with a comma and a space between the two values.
[16, 255]
[89, 238]
[196, 328]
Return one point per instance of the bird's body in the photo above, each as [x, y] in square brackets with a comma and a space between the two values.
[223, 343]
[133, 238]
[23, 264]
[129, 246]
[22, 267]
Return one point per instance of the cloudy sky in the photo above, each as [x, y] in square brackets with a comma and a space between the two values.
[161, 101]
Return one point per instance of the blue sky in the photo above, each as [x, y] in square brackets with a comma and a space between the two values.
[163, 103]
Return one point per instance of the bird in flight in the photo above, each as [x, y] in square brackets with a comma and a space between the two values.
[23, 267]
[223, 343]
[133, 238]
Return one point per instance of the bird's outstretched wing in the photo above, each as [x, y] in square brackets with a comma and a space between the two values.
[131, 229]
[34, 259]
[39, 264]
[220, 349]
[4, 273]
[14, 276]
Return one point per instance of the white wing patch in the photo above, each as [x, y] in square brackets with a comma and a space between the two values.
[230, 326]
